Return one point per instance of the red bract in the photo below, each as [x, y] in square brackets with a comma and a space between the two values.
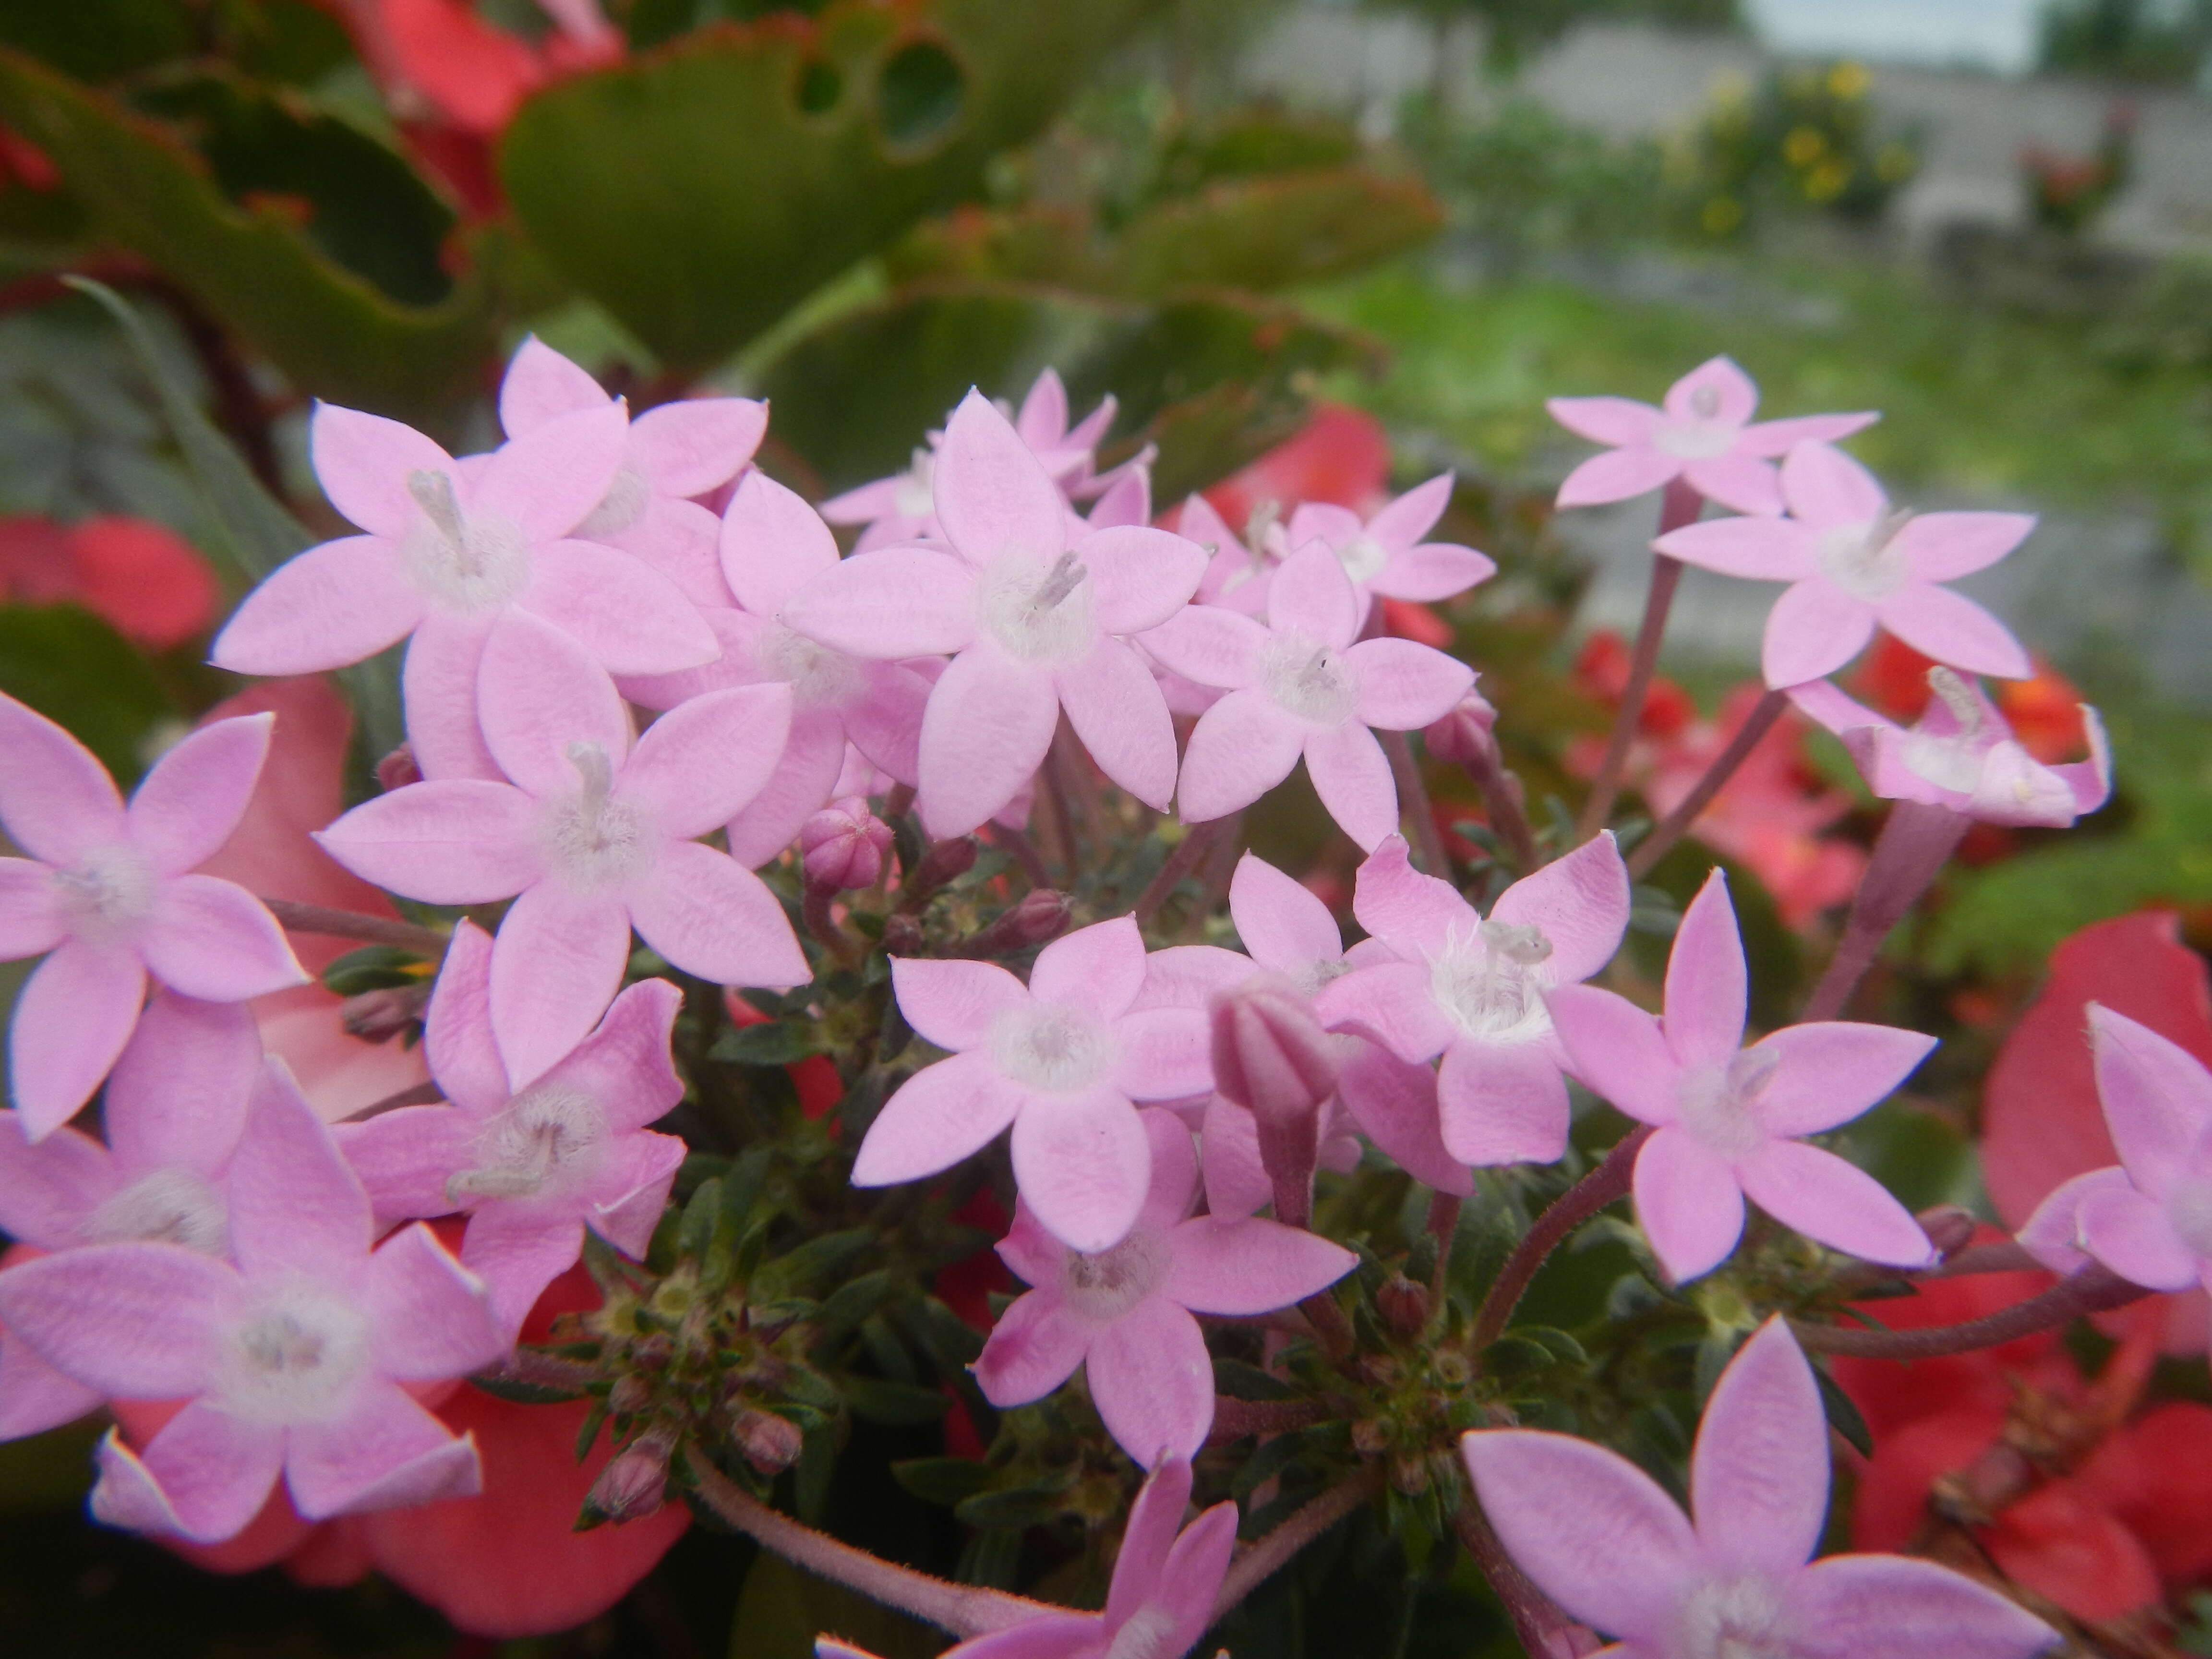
[1341, 455]
[143, 580]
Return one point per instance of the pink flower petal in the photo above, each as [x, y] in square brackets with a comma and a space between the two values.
[211, 939]
[1762, 548]
[1236, 1182]
[885, 725]
[555, 965]
[1417, 916]
[1034, 1348]
[799, 784]
[549, 479]
[438, 685]
[1117, 709]
[1815, 629]
[296, 1204]
[137, 1322]
[1616, 1050]
[1403, 686]
[1395, 1103]
[697, 764]
[1351, 775]
[1034, 1255]
[952, 1003]
[677, 539]
[624, 1066]
[2157, 1098]
[1147, 1542]
[711, 916]
[1240, 749]
[404, 1157]
[1502, 1104]
[72, 1017]
[1758, 1477]
[1140, 576]
[1581, 902]
[937, 1117]
[385, 1452]
[362, 461]
[1716, 390]
[212, 1471]
[1083, 1164]
[695, 444]
[2051, 1233]
[1828, 1073]
[1190, 1584]
[1904, 1609]
[1389, 1002]
[517, 1250]
[2130, 1234]
[634, 1185]
[177, 1098]
[1941, 547]
[1152, 1381]
[1771, 438]
[1432, 571]
[1250, 1266]
[1099, 969]
[537, 692]
[1166, 1054]
[896, 601]
[1048, 1636]
[1614, 421]
[461, 841]
[56, 801]
[1618, 475]
[772, 544]
[989, 722]
[1399, 525]
[1688, 1203]
[1952, 628]
[631, 618]
[1826, 488]
[992, 496]
[197, 793]
[1282, 922]
[33, 919]
[456, 1027]
[429, 1317]
[541, 384]
[1707, 987]
[1312, 598]
[1832, 1202]
[1739, 479]
[339, 603]
[48, 1192]
[34, 1396]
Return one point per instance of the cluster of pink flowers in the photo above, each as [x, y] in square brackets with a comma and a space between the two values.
[224, 1248]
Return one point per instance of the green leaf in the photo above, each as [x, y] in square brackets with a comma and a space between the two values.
[701, 190]
[371, 968]
[95, 40]
[944, 1480]
[1273, 232]
[1032, 1505]
[801, 1269]
[777, 1043]
[856, 1298]
[1242, 1382]
[1843, 1416]
[75, 670]
[879, 1401]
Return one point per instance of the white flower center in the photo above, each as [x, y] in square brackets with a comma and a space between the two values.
[1716, 1102]
[1491, 987]
[1054, 1050]
[169, 1206]
[1362, 558]
[1308, 680]
[295, 1357]
[466, 562]
[1105, 1286]
[818, 676]
[1733, 1618]
[544, 1140]
[1865, 559]
[1038, 613]
[1310, 978]
[1149, 1634]
[622, 506]
[2189, 1213]
[595, 840]
[916, 494]
[1694, 440]
[107, 892]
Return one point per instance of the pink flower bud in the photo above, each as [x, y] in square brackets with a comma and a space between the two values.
[843, 845]
[634, 1484]
[771, 1443]
[1949, 1227]
[1463, 736]
[1404, 1306]
[398, 769]
[1270, 1053]
[1038, 917]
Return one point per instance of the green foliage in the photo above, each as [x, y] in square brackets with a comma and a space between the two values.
[2136, 39]
[74, 669]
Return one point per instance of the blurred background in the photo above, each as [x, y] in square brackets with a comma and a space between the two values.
[1319, 251]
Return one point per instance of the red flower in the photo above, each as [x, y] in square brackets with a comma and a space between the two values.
[1341, 455]
[142, 579]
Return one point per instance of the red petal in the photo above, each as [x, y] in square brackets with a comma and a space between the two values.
[2061, 1544]
[1341, 455]
[1891, 1499]
[144, 579]
[2151, 1475]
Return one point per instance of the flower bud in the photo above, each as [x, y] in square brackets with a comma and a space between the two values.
[1949, 1227]
[398, 769]
[843, 845]
[634, 1484]
[941, 862]
[1270, 1053]
[1038, 917]
[1404, 1306]
[380, 1016]
[771, 1443]
[1463, 736]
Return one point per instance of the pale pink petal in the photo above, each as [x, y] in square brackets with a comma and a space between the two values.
[212, 1470]
[1826, 488]
[1139, 577]
[1618, 475]
[459, 841]
[711, 916]
[1758, 1477]
[1403, 686]
[635, 1182]
[549, 479]
[1502, 1104]
[362, 461]
[1250, 1266]
[1738, 479]
[1395, 1103]
[1047, 1635]
[211, 939]
[697, 764]
[885, 725]
[1688, 1203]
[517, 1250]
[1616, 1050]
[1831, 1202]
[33, 919]
[404, 1158]
[989, 722]
[1282, 922]
[624, 1066]
[2052, 1233]
[48, 1192]
[1780, 437]
[952, 1003]
[869, 502]
[34, 1396]
[1399, 525]
[677, 539]
[1311, 598]
[937, 1117]
[1043, 419]
[1152, 1381]
[1764, 549]
[1240, 749]
[1941, 547]
[1432, 571]
[555, 965]
[2157, 1098]
[1417, 916]
[1147, 1542]
[137, 1322]
[384, 1452]
[2130, 1233]
[1166, 1054]
[1815, 629]
[537, 692]
[177, 1098]
[1610, 421]
[1236, 1182]
[742, 638]
[1708, 985]
[1188, 976]
[1952, 628]
[1099, 969]
[1034, 1348]
[1351, 775]
[429, 1317]
[1209, 644]
[56, 801]
[1581, 902]
[1850, 1606]
[1034, 1255]
[541, 384]
[333, 604]
[693, 444]
[632, 619]
[773, 544]
[1190, 1583]
[1117, 709]
[799, 784]
[296, 1204]
[438, 685]
[197, 793]
[1390, 1002]
[72, 1017]
[1716, 391]
[1083, 1162]
[1821, 703]
[992, 494]
[896, 601]
[456, 1027]
[1590, 1528]
[1828, 1073]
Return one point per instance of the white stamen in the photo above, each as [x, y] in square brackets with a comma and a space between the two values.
[1055, 1050]
[1105, 1286]
[464, 561]
[595, 840]
[1037, 614]
[169, 1206]
[1717, 1102]
[818, 676]
[1865, 559]
[1493, 986]
[1741, 1618]
[1308, 680]
[1705, 401]
[296, 1355]
[1260, 528]
[544, 1140]
[107, 892]
[1956, 761]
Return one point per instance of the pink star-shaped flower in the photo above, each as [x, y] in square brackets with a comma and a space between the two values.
[450, 546]
[532, 1167]
[772, 544]
[1386, 555]
[174, 1110]
[1472, 989]
[2149, 1217]
[1124, 1314]
[1852, 563]
[293, 1354]
[1729, 1117]
[1601, 1538]
[1061, 1059]
[1703, 435]
[1299, 686]
[591, 835]
[1237, 575]
[1036, 620]
[106, 891]
[1961, 754]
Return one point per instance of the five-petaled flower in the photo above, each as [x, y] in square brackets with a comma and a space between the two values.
[1386, 555]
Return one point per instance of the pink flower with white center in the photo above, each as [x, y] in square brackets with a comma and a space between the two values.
[1387, 556]
[672, 453]
[1061, 1060]
[175, 1109]
[1300, 686]
[591, 834]
[107, 897]
[451, 546]
[532, 1167]
[1035, 621]
[1124, 1314]
[1961, 755]
[772, 544]
[1852, 563]
[293, 1354]
[1159, 1603]
[1728, 1117]
[2149, 1217]
[1472, 989]
[1237, 575]
[1738, 1581]
[1703, 435]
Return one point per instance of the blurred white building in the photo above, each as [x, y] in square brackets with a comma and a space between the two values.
[2001, 37]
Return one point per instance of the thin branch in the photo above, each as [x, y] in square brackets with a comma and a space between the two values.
[1916, 840]
[1235, 1419]
[964, 1609]
[1601, 1187]
[1655, 846]
[1414, 803]
[1182, 860]
[1444, 1227]
[2093, 1289]
[814, 910]
[1537, 1620]
[1024, 851]
[351, 924]
[1260, 1561]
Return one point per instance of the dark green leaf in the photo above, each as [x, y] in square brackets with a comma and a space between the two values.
[75, 670]
[1843, 1416]
[944, 1480]
[882, 1401]
[1032, 1505]
[779, 1042]
[1242, 1382]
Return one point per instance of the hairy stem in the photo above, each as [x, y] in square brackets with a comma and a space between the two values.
[1444, 1227]
[2093, 1289]
[1260, 1561]
[1507, 803]
[964, 1609]
[351, 924]
[1916, 842]
[1601, 1187]
[1414, 803]
[814, 907]
[1235, 1419]
[1537, 1620]
[1670, 829]
[1182, 860]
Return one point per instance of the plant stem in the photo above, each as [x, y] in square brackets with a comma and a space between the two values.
[1536, 1619]
[1234, 1419]
[1916, 842]
[1655, 846]
[964, 1609]
[1414, 803]
[2093, 1289]
[1182, 860]
[1507, 803]
[1678, 507]
[1023, 852]
[1599, 1188]
[1258, 1562]
[351, 924]
[1444, 1227]
[814, 908]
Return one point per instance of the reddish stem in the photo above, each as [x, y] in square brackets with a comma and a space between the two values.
[2093, 1289]
[1258, 1562]
[1414, 803]
[1601, 1187]
[1655, 846]
[351, 924]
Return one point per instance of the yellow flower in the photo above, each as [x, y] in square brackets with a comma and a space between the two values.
[1826, 182]
[1849, 79]
[1803, 146]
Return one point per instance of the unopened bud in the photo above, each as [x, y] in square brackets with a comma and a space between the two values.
[634, 1484]
[1463, 736]
[398, 769]
[771, 1443]
[380, 1016]
[1404, 1306]
[631, 1395]
[1038, 917]
[942, 861]
[1949, 1227]
[1270, 1053]
[1370, 1435]
[843, 845]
